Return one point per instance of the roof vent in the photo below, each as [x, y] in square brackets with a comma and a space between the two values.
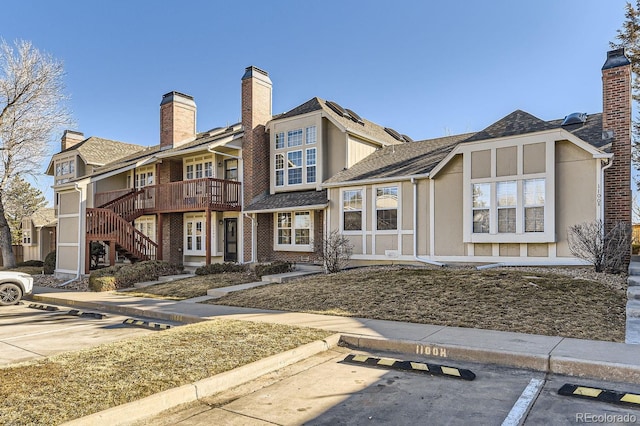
[407, 138]
[355, 117]
[575, 118]
[338, 109]
[393, 133]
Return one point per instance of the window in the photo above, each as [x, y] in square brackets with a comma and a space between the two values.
[481, 206]
[198, 167]
[280, 140]
[231, 169]
[72, 166]
[506, 200]
[534, 205]
[144, 179]
[387, 208]
[147, 225]
[311, 135]
[294, 165]
[26, 236]
[294, 230]
[294, 137]
[352, 210]
[193, 236]
[311, 165]
[284, 228]
[279, 169]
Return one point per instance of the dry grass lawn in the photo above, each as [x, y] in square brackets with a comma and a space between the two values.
[194, 286]
[31, 270]
[75, 384]
[505, 299]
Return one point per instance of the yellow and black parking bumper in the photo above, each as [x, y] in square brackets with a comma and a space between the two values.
[415, 366]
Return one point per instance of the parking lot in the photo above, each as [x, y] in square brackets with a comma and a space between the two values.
[325, 390]
[27, 333]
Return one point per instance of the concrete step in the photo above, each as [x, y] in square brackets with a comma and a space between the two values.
[633, 281]
[633, 331]
[633, 293]
[633, 309]
[634, 268]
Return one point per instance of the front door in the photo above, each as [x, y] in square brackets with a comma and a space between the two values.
[231, 240]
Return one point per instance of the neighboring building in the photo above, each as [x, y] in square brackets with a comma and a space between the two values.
[271, 187]
[39, 234]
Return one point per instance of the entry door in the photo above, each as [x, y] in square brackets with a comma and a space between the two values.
[231, 240]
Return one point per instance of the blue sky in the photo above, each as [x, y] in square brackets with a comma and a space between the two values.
[424, 68]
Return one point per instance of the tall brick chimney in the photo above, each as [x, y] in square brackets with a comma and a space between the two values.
[616, 123]
[70, 138]
[177, 119]
[256, 112]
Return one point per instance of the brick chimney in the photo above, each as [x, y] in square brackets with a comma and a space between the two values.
[177, 120]
[616, 124]
[70, 138]
[256, 112]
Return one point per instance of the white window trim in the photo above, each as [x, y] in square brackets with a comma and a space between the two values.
[302, 168]
[194, 218]
[364, 210]
[548, 236]
[293, 246]
[194, 161]
[303, 147]
[374, 209]
[148, 219]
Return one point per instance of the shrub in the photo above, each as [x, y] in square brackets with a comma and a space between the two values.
[219, 268]
[36, 263]
[335, 250]
[49, 264]
[124, 276]
[606, 250]
[104, 279]
[272, 268]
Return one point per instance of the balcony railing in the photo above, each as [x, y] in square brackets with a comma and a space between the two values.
[188, 195]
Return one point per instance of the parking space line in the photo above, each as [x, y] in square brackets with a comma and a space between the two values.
[523, 404]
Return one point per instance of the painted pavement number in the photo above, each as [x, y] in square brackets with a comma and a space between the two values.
[418, 367]
[146, 324]
[603, 395]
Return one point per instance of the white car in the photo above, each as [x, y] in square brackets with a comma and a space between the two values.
[13, 286]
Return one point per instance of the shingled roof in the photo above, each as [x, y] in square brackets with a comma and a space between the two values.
[368, 129]
[44, 217]
[421, 157]
[287, 200]
[98, 151]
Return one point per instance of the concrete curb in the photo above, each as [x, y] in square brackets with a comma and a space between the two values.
[154, 404]
[545, 362]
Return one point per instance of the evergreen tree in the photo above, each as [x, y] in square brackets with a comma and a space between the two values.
[20, 201]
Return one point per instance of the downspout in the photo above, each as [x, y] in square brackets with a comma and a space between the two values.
[414, 182]
[77, 277]
[603, 169]
[253, 242]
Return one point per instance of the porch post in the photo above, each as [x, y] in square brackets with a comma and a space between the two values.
[208, 238]
[159, 237]
[87, 257]
[112, 253]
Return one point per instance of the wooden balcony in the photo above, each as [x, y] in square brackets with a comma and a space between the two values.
[183, 196]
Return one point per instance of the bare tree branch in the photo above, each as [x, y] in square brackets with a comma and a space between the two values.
[32, 111]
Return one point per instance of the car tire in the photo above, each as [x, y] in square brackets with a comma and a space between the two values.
[10, 294]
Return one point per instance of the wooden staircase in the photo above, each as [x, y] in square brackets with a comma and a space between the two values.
[111, 222]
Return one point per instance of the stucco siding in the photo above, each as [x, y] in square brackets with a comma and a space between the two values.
[576, 191]
[68, 229]
[448, 210]
[69, 202]
[67, 258]
[334, 149]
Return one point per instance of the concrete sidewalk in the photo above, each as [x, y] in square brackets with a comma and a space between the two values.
[558, 355]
